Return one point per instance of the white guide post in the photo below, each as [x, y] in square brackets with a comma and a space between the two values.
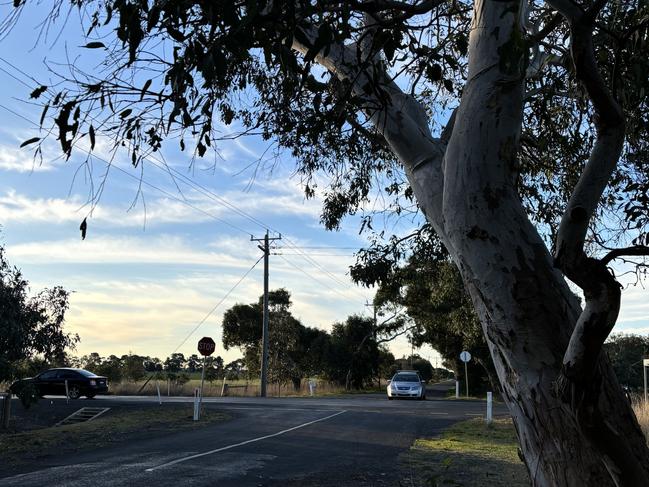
[197, 408]
[489, 407]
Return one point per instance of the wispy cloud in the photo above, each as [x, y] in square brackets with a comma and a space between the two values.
[16, 160]
[161, 249]
[191, 206]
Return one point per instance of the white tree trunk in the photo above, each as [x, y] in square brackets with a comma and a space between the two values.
[464, 184]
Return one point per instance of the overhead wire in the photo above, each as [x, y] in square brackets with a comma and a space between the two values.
[202, 189]
[200, 323]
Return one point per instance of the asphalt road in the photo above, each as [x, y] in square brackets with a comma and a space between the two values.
[350, 440]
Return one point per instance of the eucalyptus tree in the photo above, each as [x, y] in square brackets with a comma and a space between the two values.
[518, 129]
[31, 327]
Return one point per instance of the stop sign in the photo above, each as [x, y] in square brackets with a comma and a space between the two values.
[206, 346]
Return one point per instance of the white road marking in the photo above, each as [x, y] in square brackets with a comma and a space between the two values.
[275, 409]
[445, 414]
[473, 414]
[229, 447]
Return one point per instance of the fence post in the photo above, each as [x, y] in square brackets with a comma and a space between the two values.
[489, 407]
[6, 409]
[224, 389]
[197, 404]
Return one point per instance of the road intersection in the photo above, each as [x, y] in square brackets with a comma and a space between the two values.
[330, 441]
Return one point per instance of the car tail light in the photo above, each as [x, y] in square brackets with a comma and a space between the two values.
[93, 382]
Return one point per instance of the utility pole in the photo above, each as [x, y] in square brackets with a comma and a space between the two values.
[374, 333]
[375, 323]
[264, 334]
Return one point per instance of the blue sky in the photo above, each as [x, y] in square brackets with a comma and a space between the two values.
[143, 280]
[153, 267]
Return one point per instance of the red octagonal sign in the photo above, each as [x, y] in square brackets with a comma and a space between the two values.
[206, 346]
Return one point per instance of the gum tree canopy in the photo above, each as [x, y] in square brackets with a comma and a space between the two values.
[518, 129]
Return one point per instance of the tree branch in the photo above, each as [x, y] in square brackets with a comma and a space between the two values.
[397, 116]
[615, 253]
[600, 288]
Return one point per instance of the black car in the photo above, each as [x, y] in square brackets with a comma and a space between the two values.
[80, 382]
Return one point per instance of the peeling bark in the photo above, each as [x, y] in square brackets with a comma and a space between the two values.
[574, 424]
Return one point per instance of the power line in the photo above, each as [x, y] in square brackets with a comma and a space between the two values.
[143, 181]
[205, 191]
[194, 207]
[313, 278]
[326, 247]
[217, 304]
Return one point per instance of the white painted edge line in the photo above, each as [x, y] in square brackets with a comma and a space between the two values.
[444, 414]
[473, 414]
[229, 447]
[261, 408]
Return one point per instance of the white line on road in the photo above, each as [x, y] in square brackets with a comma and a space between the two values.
[473, 414]
[258, 408]
[229, 447]
[445, 414]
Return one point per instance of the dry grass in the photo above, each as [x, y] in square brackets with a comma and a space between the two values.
[239, 388]
[470, 454]
[641, 409]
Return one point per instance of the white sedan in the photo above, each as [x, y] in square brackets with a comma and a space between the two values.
[406, 384]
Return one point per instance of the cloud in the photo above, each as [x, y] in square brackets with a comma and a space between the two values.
[635, 307]
[192, 206]
[14, 159]
[161, 249]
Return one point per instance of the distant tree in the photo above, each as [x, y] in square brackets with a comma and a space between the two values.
[30, 327]
[433, 295]
[111, 367]
[92, 361]
[214, 368]
[194, 363]
[152, 364]
[175, 363]
[133, 367]
[294, 350]
[422, 366]
[312, 351]
[387, 365]
[354, 355]
[235, 370]
[626, 352]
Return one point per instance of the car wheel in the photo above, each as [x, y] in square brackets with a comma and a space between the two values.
[390, 398]
[74, 392]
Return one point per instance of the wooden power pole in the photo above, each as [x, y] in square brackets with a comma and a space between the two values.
[264, 334]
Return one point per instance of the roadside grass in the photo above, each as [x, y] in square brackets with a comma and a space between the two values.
[110, 428]
[641, 409]
[468, 454]
[238, 388]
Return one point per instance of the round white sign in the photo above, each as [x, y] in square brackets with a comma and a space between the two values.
[465, 356]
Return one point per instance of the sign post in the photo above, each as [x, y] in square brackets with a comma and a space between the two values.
[206, 347]
[489, 407]
[645, 364]
[465, 357]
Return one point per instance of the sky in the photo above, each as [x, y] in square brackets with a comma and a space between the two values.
[169, 250]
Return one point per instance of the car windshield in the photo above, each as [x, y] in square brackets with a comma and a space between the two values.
[406, 378]
[86, 373]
